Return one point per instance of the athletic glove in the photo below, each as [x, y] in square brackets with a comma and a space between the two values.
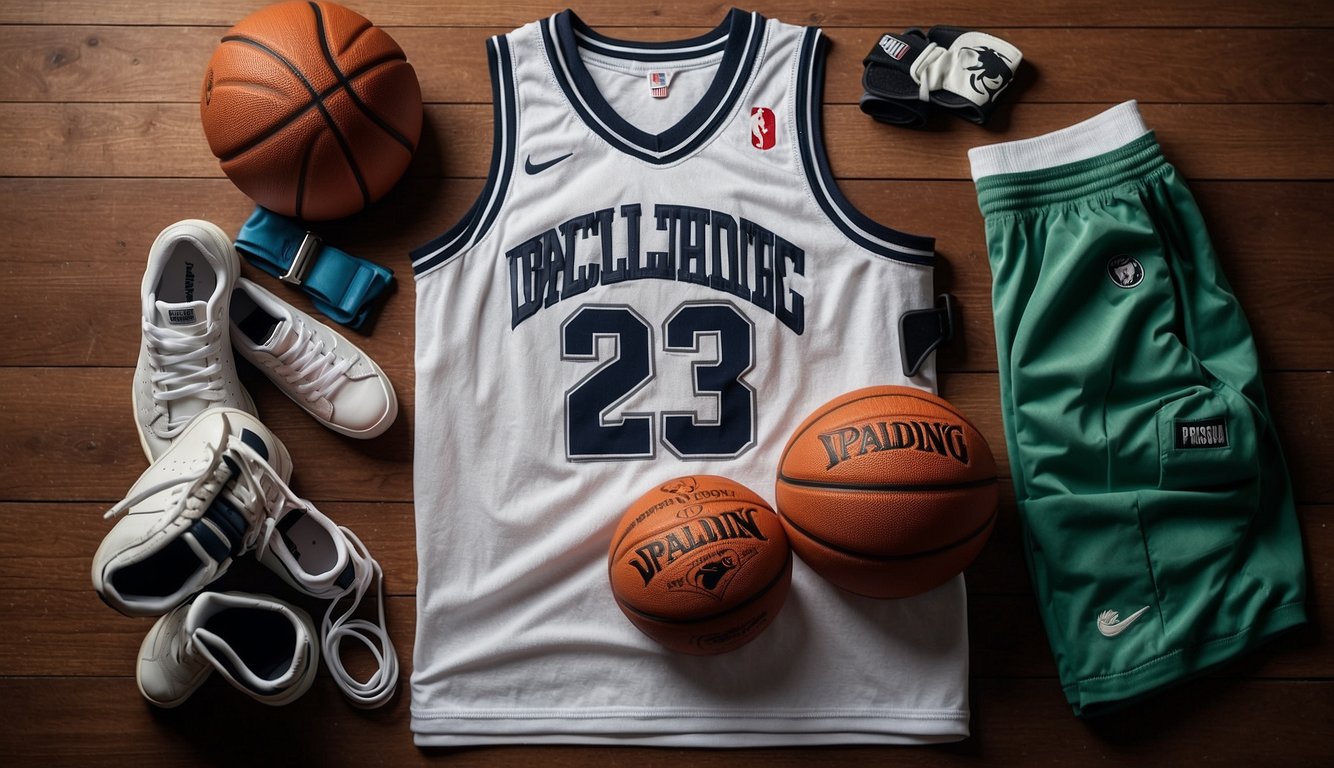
[891, 94]
[959, 69]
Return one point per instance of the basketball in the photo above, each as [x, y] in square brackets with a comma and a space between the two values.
[887, 491]
[700, 564]
[311, 109]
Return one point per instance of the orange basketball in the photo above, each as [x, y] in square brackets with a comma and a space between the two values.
[700, 564]
[313, 111]
[887, 491]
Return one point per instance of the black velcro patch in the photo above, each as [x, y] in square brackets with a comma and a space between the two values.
[1202, 433]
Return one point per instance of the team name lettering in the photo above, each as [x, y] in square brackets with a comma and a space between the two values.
[939, 437]
[1208, 436]
[705, 247]
[662, 551]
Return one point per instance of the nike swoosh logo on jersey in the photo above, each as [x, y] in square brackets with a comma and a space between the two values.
[536, 169]
[1110, 626]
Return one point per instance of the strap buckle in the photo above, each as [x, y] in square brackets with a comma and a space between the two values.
[305, 255]
[340, 285]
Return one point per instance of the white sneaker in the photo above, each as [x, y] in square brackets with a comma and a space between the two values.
[185, 356]
[261, 645]
[219, 491]
[200, 504]
[311, 363]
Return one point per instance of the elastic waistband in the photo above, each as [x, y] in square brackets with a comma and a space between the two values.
[1097, 155]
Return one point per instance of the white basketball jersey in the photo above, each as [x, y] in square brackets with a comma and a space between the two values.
[659, 279]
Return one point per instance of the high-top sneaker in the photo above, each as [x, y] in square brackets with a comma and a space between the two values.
[219, 491]
[200, 504]
[314, 365]
[185, 355]
[259, 644]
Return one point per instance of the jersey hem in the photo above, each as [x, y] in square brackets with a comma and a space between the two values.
[690, 728]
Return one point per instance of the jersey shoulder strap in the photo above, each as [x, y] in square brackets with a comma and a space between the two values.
[857, 226]
[480, 216]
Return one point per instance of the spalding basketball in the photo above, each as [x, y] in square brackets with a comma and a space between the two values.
[887, 491]
[700, 564]
[312, 110]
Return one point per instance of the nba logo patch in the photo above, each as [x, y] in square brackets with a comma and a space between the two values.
[762, 126]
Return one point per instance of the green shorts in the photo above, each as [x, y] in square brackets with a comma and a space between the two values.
[1157, 511]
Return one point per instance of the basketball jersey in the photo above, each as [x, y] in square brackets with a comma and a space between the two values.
[659, 278]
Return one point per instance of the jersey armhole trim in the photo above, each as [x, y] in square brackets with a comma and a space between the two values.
[478, 220]
[860, 228]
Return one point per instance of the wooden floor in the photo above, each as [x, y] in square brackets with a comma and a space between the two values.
[100, 147]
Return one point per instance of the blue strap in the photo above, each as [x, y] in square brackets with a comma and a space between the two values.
[339, 284]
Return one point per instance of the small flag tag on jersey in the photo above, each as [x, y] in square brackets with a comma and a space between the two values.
[658, 83]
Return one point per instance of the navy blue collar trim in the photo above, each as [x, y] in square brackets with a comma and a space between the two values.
[739, 39]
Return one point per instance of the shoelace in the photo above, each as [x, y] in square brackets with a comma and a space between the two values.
[321, 370]
[374, 636]
[181, 369]
[259, 481]
[202, 481]
[263, 497]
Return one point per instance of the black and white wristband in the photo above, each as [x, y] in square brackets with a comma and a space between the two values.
[962, 70]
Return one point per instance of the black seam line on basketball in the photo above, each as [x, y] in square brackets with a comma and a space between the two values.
[888, 487]
[825, 412]
[778, 577]
[895, 558]
[347, 148]
[304, 108]
[352, 94]
[301, 178]
[319, 104]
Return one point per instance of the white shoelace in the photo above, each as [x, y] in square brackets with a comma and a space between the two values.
[320, 370]
[263, 497]
[203, 480]
[181, 369]
[373, 635]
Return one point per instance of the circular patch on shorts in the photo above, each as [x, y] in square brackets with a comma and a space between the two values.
[1125, 271]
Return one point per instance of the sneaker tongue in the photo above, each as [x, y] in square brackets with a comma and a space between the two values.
[187, 316]
[283, 337]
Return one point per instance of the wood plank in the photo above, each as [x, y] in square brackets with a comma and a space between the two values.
[90, 63]
[61, 563]
[108, 643]
[1047, 13]
[388, 529]
[31, 563]
[82, 446]
[1264, 233]
[165, 139]
[1239, 94]
[90, 451]
[1022, 722]
[1006, 635]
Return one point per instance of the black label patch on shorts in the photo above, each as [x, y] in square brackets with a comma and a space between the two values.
[1202, 433]
[1125, 271]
